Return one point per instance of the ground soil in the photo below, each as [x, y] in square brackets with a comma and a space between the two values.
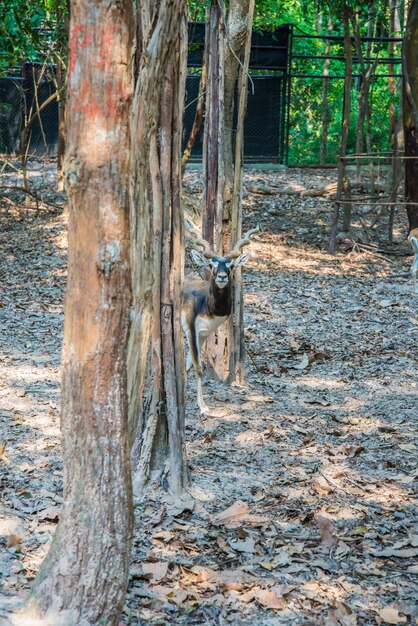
[316, 455]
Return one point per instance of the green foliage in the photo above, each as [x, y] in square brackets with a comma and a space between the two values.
[29, 29]
[306, 100]
[35, 30]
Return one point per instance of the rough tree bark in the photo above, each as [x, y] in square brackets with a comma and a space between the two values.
[410, 113]
[156, 382]
[214, 160]
[63, 17]
[227, 53]
[197, 122]
[345, 126]
[83, 579]
[236, 320]
[396, 120]
[394, 31]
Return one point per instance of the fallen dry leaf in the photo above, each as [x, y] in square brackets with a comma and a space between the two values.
[407, 553]
[312, 589]
[391, 616]
[236, 515]
[268, 598]
[13, 540]
[156, 571]
[341, 615]
[170, 594]
[229, 579]
[327, 531]
[247, 545]
[163, 535]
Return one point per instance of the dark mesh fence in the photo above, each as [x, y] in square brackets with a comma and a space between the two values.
[25, 91]
[266, 121]
[23, 106]
[11, 114]
[264, 127]
[39, 85]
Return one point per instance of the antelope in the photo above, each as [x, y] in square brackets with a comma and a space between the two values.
[208, 303]
[413, 242]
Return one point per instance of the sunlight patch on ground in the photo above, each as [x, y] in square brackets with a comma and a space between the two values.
[323, 381]
[24, 374]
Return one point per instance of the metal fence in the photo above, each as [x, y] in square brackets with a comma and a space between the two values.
[22, 91]
[317, 65]
[284, 112]
[22, 96]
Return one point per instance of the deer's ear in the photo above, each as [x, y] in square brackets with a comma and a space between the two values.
[199, 258]
[241, 260]
[414, 243]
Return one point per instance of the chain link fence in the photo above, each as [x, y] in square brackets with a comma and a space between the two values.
[29, 126]
[29, 111]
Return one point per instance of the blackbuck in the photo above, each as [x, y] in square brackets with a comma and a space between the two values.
[208, 303]
[413, 242]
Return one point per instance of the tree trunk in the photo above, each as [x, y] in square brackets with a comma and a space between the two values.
[410, 112]
[367, 69]
[222, 176]
[394, 31]
[236, 322]
[214, 164]
[239, 17]
[397, 169]
[62, 18]
[197, 122]
[345, 126]
[325, 108]
[156, 383]
[83, 579]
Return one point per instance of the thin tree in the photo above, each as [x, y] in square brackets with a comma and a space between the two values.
[396, 118]
[62, 9]
[197, 122]
[367, 70]
[83, 579]
[410, 113]
[345, 126]
[228, 48]
[156, 362]
[326, 118]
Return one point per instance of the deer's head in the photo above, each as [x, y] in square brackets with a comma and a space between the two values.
[220, 267]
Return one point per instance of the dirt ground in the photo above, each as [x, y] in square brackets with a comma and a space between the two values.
[314, 461]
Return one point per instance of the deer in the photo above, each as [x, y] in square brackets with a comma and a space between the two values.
[413, 272]
[413, 242]
[208, 303]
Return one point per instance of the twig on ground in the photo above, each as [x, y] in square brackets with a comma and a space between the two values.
[32, 194]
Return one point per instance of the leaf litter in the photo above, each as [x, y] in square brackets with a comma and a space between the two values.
[303, 507]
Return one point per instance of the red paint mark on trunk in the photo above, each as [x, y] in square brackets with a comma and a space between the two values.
[108, 36]
[79, 38]
[88, 102]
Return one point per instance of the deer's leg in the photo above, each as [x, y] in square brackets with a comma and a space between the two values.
[414, 272]
[197, 363]
[187, 333]
[202, 405]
